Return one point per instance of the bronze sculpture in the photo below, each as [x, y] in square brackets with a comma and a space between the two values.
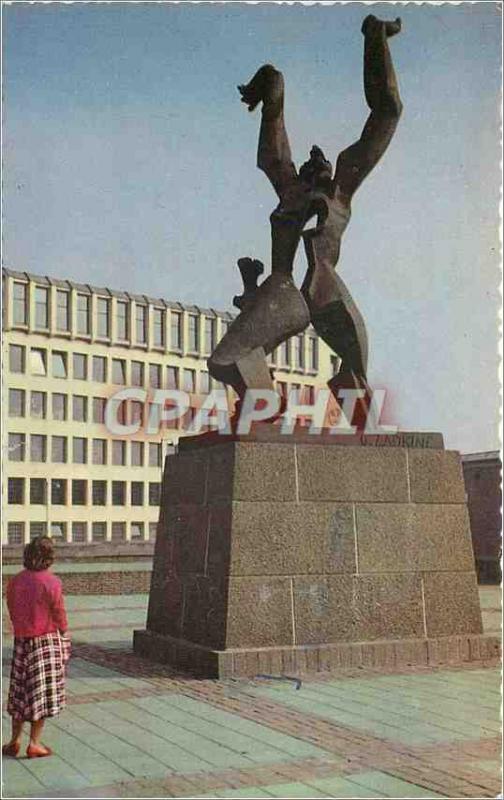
[276, 310]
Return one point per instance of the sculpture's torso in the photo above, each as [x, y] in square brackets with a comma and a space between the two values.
[298, 205]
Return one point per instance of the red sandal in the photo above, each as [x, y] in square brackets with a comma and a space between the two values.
[11, 749]
[38, 751]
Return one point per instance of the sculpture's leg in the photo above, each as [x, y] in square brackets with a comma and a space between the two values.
[382, 95]
[273, 155]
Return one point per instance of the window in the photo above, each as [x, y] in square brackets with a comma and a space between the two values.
[79, 493]
[204, 382]
[83, 315]
[137, 373]
[38, 491]
[295, 388]
[15, 491]
[159, 327]
[152, 531]
[58, 531]
[37, 447]
[16, 358]
[310, 394]
[38, 405]
[193, 323]
[16, 403]
[99, 531]
[299, 352]
[137, 493]
[136, 408]
[137, 531]
[119, 371]
[59, 406]
[176, 330]
[99, 410]
[59, 364]
[119, 453]
[189, 380]
[122, 411]
[59, 450]
[41, 307]
[313, 353]
[172, 377]
[15, 533]
[122, 320]
[38, 362]
[62, 310]
[154, 455]
[99, 451]
[79, 531]
[99, 493]
[141, 319]
[16, 447]
[154, 494]
[284, 354]
[80, 367]
[79, 408]
[58, 491]
[118, 531]
[155, 376]
[118, 493]
[210, 334]
[79, 450]
[137, 452]
[19, 304]
[103, 317]
[37, 529]
[99, 369]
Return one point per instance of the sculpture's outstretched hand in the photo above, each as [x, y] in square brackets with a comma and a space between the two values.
[373, 23]
[266, 85]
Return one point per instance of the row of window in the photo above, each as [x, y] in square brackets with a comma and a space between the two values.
[120, 371]
[81, 408]
[80, 450]
[122, 318]
[79, 531]
[62, 492]
[80, 366]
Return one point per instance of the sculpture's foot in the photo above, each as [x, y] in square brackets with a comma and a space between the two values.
[372, 24]
[266, 85]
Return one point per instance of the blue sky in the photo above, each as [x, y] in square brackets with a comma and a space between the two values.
[130, 162]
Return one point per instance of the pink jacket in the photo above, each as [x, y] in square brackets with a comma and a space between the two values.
[35, 602]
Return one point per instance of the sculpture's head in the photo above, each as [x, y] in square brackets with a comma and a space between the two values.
[317, 172]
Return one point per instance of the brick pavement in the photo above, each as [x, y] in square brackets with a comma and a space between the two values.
[136, 729]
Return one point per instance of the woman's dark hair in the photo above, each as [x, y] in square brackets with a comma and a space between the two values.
[39, 554]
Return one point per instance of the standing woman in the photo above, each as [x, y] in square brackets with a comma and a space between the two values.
[37, 682]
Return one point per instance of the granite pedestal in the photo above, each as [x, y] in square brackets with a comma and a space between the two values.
[297, 554]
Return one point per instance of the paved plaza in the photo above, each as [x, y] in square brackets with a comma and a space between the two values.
[135, 729]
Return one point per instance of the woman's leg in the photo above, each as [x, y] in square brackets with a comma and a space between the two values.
[36, 749]
[12, 747]
[36, 731]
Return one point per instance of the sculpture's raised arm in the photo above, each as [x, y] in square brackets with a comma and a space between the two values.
[382, 96]
[274, 154]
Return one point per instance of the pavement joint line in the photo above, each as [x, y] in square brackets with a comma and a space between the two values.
[235, 705]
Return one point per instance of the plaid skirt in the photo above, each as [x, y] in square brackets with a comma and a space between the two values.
[37, 680]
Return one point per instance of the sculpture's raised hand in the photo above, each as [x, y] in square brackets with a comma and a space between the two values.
[266, 85]
[371, 22]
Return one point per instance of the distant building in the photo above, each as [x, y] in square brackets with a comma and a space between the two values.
[67, 347]
[482, 476]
